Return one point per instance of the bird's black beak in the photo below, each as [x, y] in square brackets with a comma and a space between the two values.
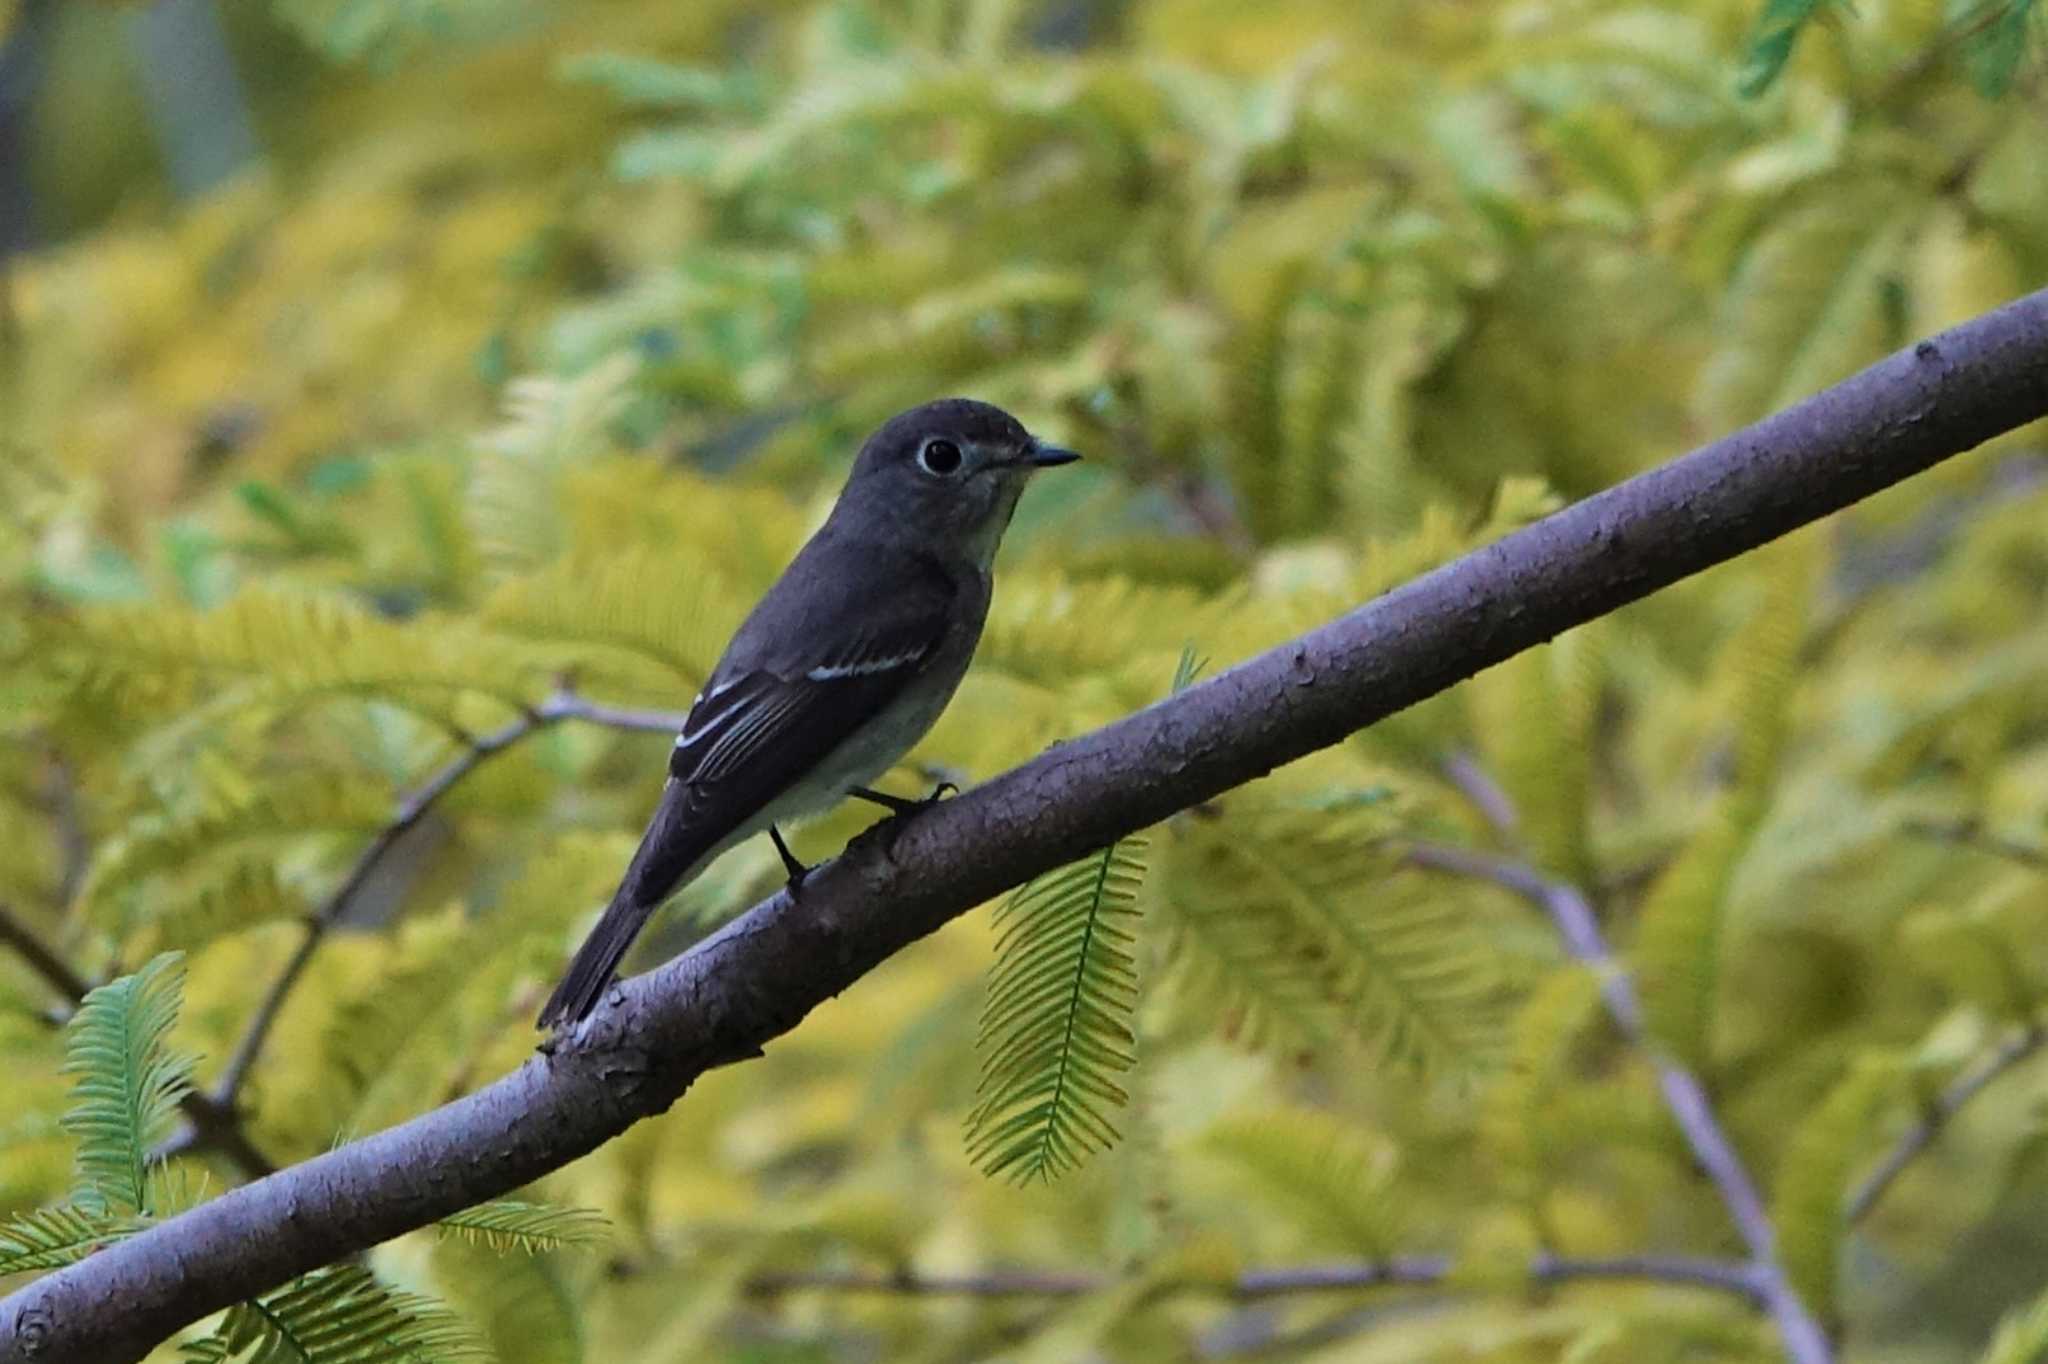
[1050, 456]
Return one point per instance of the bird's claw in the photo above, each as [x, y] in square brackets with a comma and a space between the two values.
[798, 872]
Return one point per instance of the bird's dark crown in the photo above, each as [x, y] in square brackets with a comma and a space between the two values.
[961, 419]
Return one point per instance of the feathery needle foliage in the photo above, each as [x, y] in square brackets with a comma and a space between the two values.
[1055, 1030]
[1813, 1180]
[1326, 1175]
[55, 1237]
[338, 1315]
[509, 1224]
[128, 1083]
[2022, 1336]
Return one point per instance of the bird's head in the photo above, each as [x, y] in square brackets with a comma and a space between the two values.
[946, 476]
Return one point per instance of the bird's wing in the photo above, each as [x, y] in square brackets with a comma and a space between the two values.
[766, 728]
[774, 709]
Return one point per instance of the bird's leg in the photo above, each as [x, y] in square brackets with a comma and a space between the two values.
[797, 870]
[898, 805]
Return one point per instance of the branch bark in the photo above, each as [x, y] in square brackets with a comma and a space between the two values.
[756, 979]
[42, 958]
[1252, 1285]
[1940, 1112]
[1684, 1095]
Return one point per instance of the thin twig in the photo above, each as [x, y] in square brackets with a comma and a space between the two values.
[412, 807]
[1938, 49]
[1967, 833]
[42, 958]
[1395, 1271]
[567, 705]
[211, 1120]
[1482, 792]
[1939, 1113]
[1684, 1095]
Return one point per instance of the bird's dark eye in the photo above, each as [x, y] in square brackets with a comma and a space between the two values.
[939, 457]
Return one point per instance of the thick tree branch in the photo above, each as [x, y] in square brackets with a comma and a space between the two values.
[1939, 1113]
[1396, 1271]
[754, 980]
[1684, 1095]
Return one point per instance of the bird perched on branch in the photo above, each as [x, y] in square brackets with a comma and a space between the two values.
[839, 670]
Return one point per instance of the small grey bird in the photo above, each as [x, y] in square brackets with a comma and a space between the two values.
[839, 670]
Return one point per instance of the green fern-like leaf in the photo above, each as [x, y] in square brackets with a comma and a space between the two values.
[2022, 1336]
[1765, 658]
[1408, 976]
[626, 621]
[247, 891]
[1808, 305]
[1049, 630]
[953, 329]
[1253, 972]
[287, 648]
[1298, 927]
[1679, 941]
[1325, 1175]
[411, 996]
[515, 504]
[1055, 1031]
[55, 1237]
[338, 1315]
[648, 82]
[1964, 949]
[229, 822]
[1771, 41]
[1257, 415]
[1824, 1151]
[1536, 730]
[528, 1311]
[1992, 50]
[1322, 392]
[509, 1224]
[1679, 944]
[126, 1084]
[1515, 1122]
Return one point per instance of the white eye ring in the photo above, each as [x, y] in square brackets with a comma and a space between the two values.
[940, 457]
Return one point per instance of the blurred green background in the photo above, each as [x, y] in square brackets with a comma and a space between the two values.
[368, 368]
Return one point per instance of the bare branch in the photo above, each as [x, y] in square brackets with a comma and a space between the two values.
[754, 980]
[42, 958]
[1482, 793]
[214, 1122]
[412, 807]
[1939, 1113]
[567, 705]
[1684, 1095]
[1967, 833]
[1395, 1271]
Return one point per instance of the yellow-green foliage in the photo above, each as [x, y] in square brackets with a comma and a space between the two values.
[547, 337]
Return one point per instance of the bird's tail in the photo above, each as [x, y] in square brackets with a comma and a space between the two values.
[667, 852]
[597, 961]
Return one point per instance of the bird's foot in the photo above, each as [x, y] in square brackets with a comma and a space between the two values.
[887, 829]
[798, 872]
[899, 805]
